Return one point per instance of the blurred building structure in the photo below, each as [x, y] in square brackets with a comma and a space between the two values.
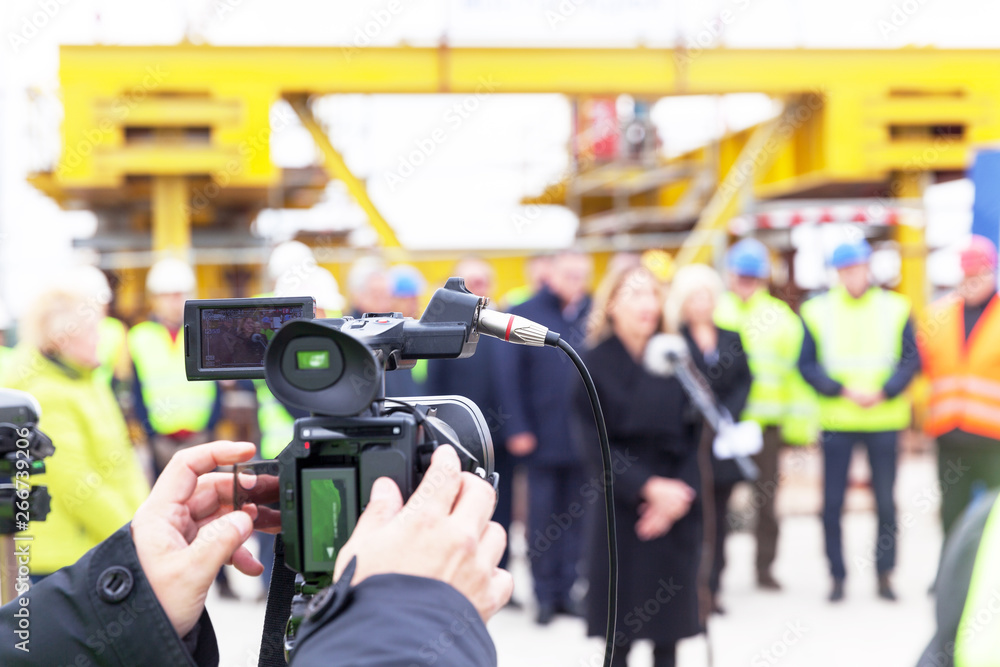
[169, 145]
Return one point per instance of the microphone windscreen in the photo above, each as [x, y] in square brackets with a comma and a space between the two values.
[661, 351]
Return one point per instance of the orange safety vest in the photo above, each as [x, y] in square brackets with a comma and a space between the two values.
[964, 375]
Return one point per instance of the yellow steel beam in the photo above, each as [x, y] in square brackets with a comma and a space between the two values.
[167, 111]
[160, 159]
[334, 163]
[910, 236]
[171, 222]
[757, 155]
[577, 71]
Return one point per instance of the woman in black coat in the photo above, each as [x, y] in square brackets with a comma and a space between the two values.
[654, 437]
[718, 354]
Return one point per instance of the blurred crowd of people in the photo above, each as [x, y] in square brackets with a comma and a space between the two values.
[834, 375]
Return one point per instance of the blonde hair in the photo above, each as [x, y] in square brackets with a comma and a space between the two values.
[616, 283]
[57, 315]
[687, 281]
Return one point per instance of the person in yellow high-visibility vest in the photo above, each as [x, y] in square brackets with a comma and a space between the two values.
[174, 412]
[968, 591]
[859, 353]
[94, 478]
[779, 399]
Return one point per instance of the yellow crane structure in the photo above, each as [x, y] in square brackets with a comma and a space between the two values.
[169, 145]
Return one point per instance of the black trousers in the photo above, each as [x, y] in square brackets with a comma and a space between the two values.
[837, 449]
[765, 490]
[967, 465]
[556, 523]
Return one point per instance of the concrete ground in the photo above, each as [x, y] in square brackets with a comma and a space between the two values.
[760, 629]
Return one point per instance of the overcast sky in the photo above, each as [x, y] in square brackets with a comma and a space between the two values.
[465, 194]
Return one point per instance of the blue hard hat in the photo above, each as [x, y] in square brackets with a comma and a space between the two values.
[406, 281]
[849, 254]
[749, 257]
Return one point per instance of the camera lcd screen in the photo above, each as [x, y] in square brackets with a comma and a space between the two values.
[238, 337]
[330, 499]
[312, 359]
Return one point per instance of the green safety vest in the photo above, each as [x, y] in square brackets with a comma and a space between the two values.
[977, 643]
[772, 338]
[111, 334]
[858, 343]
[174, 403]
[276, 425]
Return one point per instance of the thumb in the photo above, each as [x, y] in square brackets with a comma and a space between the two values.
[217, 541]
[385, 502]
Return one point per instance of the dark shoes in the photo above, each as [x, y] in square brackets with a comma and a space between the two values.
[885, 588]
[548, 610]
[767, 582]
[837, 592]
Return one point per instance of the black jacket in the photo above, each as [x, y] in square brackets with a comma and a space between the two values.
[102, 611]
[652, 431]
[728, 374]
[536, 385]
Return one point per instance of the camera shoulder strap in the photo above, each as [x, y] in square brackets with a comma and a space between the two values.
[279, 607]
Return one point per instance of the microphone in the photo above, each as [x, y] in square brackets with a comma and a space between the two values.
[664, 352]
[514, 329]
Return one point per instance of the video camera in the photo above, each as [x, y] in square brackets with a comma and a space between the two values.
[335, 370]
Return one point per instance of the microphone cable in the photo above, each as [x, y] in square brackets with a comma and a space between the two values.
[609, 502]
[522, 331]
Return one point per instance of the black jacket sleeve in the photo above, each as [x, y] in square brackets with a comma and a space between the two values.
[732, 384]
[100, 611]
[908, 366]
[812, 370]
[393, 619]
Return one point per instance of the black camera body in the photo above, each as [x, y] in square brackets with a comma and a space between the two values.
[334, 369]
[332, 462]
[23, 450]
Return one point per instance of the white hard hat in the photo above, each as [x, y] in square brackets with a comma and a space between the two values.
[289, 256]
[170, 276]
[362, 271]
[317, 283]
[90, 281]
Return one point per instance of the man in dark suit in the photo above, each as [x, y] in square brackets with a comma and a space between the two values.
[536, 391]
[476, 379]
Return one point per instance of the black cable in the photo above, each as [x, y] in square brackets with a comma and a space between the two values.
[609, 502]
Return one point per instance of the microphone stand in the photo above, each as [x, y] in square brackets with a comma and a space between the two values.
[697, 389]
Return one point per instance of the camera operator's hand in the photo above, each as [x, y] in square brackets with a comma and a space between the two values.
[187, 529]
[444, 532]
